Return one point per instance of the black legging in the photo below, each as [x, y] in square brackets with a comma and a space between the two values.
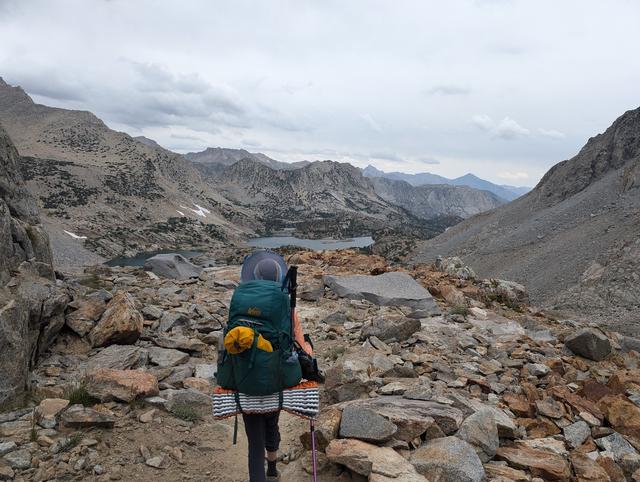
[262, 433]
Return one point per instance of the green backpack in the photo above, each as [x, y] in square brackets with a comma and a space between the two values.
[263, 306]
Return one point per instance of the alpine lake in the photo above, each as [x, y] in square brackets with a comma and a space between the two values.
[262, 243]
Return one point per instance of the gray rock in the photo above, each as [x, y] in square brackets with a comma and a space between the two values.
[365, 424]
[395, 289]
[616, 444]
[577, 433]
[311, 291]
[349, 378]
[206, 371]
[178, 374]
[166, 357]
[173, 266]
[151, 312]
[413, 417]
[19, 459]
[158, 462]
[454, 267]
[389, 330]
[169, 290]
[589, 343]
[480, 430]
[537, 369]
[628, 343]
[6, 447]
[448, 459]
[119, 357]
[169, 319]
[336, 318]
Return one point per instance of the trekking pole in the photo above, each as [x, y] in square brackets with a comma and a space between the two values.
[293, 288]
[314, 456]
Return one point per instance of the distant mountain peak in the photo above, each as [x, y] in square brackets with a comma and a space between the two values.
[507, 193]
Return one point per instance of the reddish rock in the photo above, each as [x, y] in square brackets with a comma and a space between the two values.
[519, 405]
[588, 470]
[125, 385]
[594, 391]
[120, 324]
[622, 414]
[538, 427]
[621, 381]
[327, 428]
[199, 384]
[504, 472]
[577, 402]
[541, 463]
[84, 318]
[613, 470]
[550, 407]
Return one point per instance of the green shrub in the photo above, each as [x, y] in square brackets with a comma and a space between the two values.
[80, 396]
[185, 412]
[460, 309]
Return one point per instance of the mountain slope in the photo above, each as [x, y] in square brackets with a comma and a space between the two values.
[322, 199]
[122, 194]
[505, 192]
[431, 200]
[574, 240]
[508, 193]
[213, 158]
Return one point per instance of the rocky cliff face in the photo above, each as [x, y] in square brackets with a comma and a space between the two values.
[431, 200]
[323, 199]
[123, 195]
[574, 240]
[31, 306]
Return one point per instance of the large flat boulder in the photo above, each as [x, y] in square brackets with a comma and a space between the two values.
[125, 385]
[173, 266]
[412, 417]
[541, 463]
[393, 289]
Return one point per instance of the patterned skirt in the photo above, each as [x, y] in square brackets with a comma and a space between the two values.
[303, 400]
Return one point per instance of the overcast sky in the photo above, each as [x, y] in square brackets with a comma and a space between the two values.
[501, 88]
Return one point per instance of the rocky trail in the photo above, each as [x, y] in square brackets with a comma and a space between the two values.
[432, 375]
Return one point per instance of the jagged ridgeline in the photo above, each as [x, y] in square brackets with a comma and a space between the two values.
[575, 239]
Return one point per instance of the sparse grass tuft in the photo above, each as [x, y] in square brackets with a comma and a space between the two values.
[80, 395]
[71, 442]
[460, 309]
[185, 412]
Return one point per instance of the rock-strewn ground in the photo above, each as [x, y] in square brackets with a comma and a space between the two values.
[483, 387]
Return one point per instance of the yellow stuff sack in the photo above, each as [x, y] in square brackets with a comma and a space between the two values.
[240, 339]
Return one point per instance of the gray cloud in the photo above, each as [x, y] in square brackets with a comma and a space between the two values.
[338, 79]
[450, 89]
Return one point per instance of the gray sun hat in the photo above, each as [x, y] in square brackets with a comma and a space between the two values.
[263, 265]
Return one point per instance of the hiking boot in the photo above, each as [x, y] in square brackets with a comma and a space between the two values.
[273, 478]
